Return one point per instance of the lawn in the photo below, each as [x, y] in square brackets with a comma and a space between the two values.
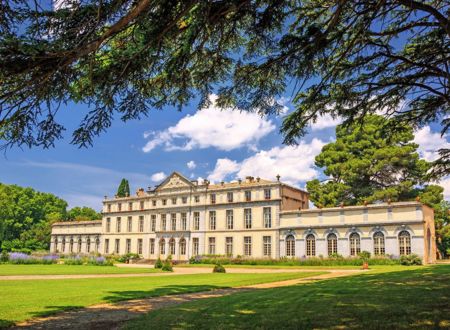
[386, 298]
[274, 266]
[21, 300]
[8, 269]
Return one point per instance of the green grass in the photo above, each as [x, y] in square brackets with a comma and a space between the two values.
[8, 269]
[21, 300]
[386, 298]
[274, 266]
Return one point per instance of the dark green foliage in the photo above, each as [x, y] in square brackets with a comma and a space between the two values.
[124, 189]
[4, 256]
[364, 255]
[167, 266]
[410, 260]
[128, 257]
[83, 213]
[218, 268]
[158, 263]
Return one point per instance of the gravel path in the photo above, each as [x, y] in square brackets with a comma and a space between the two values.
[112, 316]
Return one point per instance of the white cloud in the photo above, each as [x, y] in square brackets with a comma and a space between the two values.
[325, 121]
[225, 129]
[445, 183]
[191, 165]
[156, 177]
[295, 164]
[430, 142]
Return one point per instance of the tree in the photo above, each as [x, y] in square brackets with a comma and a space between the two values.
[364, 165]
[82, 213]
[344, 58]
[124, 188]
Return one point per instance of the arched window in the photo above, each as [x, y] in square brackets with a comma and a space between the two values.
[182, 246]
[71, 245]
[378, 244]
[172, 246]
[55, 244]
[332, 244]
[88, 245]
[290, 246]
[97, 244]
[355, 244]
[63, 245]
[162, 246]
[310, 245]
[404, 243]
[79, 245]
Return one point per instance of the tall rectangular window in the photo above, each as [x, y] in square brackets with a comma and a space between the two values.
[163, 222]
[248, 195]
[108, 225]
[153, 223]
[141, 223]
[267, 246]
[230, 220]
[108, 207]
[247, 246]
[196, 220]
[267, 194]
[197, 199]
[174, 201]
[119, 207]
[212, 245]
[154, 202]
[173, 221]
[248, 218]
[118, 224]
[229, 246]
[128, 246]
[183, 221]
[212, 220]
[230, 197]
[130, 224]
[184, 199]
[117, 246]
[152, 246]
[195, 246]
[212, 198]
[267, 215]
[141, 205]
[164, 202]
[106, 246]
[139, 249]
[130, 206]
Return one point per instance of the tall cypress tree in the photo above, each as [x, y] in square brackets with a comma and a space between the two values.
[124, 188]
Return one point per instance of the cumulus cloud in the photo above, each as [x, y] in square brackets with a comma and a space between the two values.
[430, 142]
[191, 165]
[445, 183]
[295, 164]
[325, 121]
[225, 129]
[159, 176]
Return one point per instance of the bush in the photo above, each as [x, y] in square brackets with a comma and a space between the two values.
[364, 255]
[100, 261]
[49, 259]
[167, 267]
[218, 268]
[4, 257]
[77, 260]
[158, 263]
[128, 257]
[410, 260]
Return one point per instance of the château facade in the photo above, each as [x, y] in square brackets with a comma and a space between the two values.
[253, 218]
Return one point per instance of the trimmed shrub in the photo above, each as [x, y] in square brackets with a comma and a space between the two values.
[364, 255]
[218, 268]
[167, 267]
[128, 257]
[49, 259]
[410, 260]
[4, 257]
[158, 263]
[77, 260]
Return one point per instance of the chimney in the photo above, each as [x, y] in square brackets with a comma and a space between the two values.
[240, 181]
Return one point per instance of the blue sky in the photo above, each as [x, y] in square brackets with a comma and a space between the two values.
[206, 144]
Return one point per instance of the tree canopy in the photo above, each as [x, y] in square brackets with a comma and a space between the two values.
[124, 58]
[82, 213]
[124, 188]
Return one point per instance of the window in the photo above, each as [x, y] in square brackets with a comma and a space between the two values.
[229, 219]
[141, 224]
[152, 246]
[248, 195]
[230, 197]
[108, 225]
[106, 246]
[267, 194]
[212, 245]
[172, 246]
[404, 243]
[130, 206]
[173, 221]
[196, 220]
[130, 224]
[118, 225]
[153, 223]
[162, 246]
[267, 215]
[71, 245]
[164, 202]
[355, 244]
[174, 201]
[212, 220]
[97, 245]
[183, 221]
[163, 222]
[184, 199]
[247, 246]
[195, 246]
[119, 207]
[139, 249]
[229, 246]
[63, 245]
[128, 246]
[197, 199]
[378, 244]
[248, 218]
[212, 198]
[267, 246]
[332, 244]
[88, 245]
[290, 246]
[141, 205]
[117, 246]
[79, 245]
[182, 247]
[154, 202]
[310, 245]
[108, 207]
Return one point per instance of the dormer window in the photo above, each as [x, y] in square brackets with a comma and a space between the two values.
[267, 194]
[164, 202]
[141, 205]
[197, 199]
[212, 198]
[184, 199]
[130, 206]
[108, 207]
[248, 195]
[174, 201]
[230, 197]
[154, 202]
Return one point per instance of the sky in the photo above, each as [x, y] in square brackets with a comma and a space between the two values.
[210, 143]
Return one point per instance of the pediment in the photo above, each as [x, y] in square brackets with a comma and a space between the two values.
[175, 180]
